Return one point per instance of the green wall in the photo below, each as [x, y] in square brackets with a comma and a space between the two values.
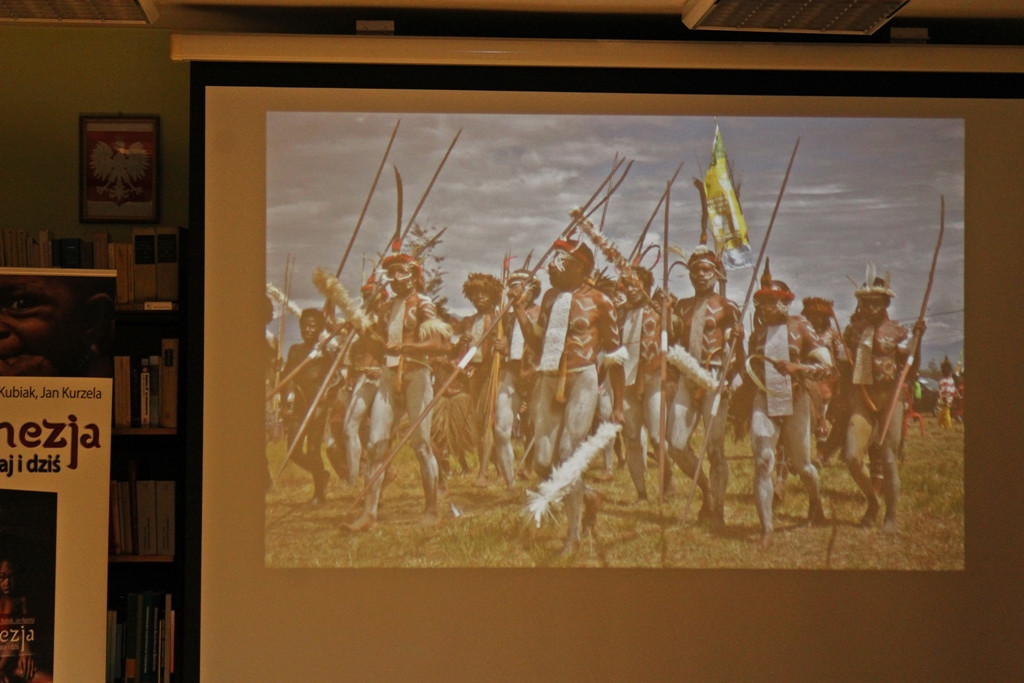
[51, 75]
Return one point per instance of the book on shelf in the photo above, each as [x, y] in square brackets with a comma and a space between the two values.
[146, 388]
[154, 391]
[144, 391]
[168, 372]
[140, 638]
[165, 525]
[114, 525]
[122, 392]
[101, 250]
[142, 517]
[69, 252]
[132, 637]
[133, 507]
[144, 268]
[167, 249]
[87, 260]
[124, 517]
[22, 247]
[145, 496]
[45, 243]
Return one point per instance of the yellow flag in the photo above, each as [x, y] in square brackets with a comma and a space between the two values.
[725, 218]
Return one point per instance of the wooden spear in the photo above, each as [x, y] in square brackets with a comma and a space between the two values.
[666, 322]
[916, 340]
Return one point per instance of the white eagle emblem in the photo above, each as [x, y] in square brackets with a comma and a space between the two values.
[121, 168]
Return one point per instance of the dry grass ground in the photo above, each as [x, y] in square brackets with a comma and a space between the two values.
[485, 527]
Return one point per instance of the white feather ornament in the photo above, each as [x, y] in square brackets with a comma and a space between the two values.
[553, 489]
[333, 290]
[617, 357]
[434, 326]
[283, 302]
[688, 365]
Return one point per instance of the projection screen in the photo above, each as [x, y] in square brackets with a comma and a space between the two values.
[486, 168]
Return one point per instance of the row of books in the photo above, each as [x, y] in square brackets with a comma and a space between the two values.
[146, 388]
[142, 517]
[147, 266]
[140, 638]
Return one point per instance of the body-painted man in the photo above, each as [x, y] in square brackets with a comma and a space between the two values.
[703, 326]
[518, 372]
[830, 407]
[365, 360]
[575, 327]
[785, 355]
[640, 325]
[880, 348]
[409, 324]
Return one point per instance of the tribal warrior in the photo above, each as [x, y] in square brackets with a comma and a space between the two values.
[785, 355]
[641, 326]
[576, 325]
[409, 323]
[365, 358]
[702, 327]
[484, 292]
[308, 363]
[879, 347]
[519, 368]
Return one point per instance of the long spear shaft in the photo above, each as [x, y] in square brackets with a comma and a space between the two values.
[917, 334]
[657, 207]
[366, 204]
[716, 401]
[378, 472]
[604, 209]
[665, 322]
[430, 185]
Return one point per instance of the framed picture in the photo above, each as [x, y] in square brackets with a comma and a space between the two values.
[119, 169]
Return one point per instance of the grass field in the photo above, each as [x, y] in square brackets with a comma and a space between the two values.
[485, 527]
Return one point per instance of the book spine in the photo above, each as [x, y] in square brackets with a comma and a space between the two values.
[145, 494]
[115, 520]
[143, 393]
[133, 507]
[165, 508]
[70, 252]
[101, 251]
[167, 248]
[154, 390]
[168, 370]
[144, 241]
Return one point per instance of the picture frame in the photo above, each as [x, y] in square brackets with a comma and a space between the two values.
[119, 164]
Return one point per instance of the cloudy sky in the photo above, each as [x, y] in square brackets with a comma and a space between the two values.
[861, 190]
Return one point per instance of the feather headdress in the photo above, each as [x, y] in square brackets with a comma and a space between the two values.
[875, 286]
[553, 489]
[605, 245]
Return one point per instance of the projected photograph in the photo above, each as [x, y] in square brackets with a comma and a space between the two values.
[622, 341]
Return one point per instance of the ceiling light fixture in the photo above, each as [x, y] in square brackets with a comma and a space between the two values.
[79, 11]
[852, 17]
